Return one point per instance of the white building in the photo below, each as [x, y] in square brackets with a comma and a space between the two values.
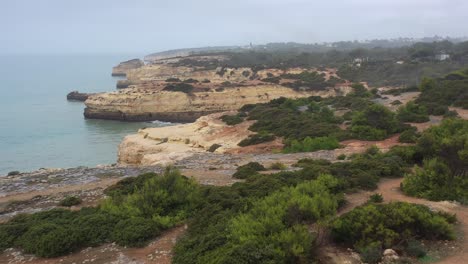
[442, 56]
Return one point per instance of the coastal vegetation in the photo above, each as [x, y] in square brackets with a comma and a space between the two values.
[440, 93]
[281, 217]
[264, 218]
[137, 209]
[443, 174]
[309, 124]
[371, 228]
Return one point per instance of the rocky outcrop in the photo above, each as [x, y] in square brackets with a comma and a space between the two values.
[149, 104]
[77, 96]
[124, 67]
[164, 145]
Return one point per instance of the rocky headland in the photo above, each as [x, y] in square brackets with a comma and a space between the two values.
[174, 90]
[124, 67]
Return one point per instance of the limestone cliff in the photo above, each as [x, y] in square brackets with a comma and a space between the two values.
[124, 67]
[135, 104]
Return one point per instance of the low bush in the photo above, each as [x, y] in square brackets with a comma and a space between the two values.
[214, 147]
[13, 173]
[371, 253]
[415, 249]
[413, 112]
[341, 157]
[49, 240]
[312, 144]
[248, 170]
[387, 225]
[435, 181]
[70, 201]
[409, 136]
[232, 120]
[375, 198]
[136, 210]
[134, 232]
[375, 122]
[257, 139]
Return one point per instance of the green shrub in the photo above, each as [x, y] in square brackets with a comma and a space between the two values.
[13, 173]
[95, 228]
[389, 224]
[341, 157]
[248, 170]
[415, 249]
[437, 94]
[409, 136]
[128, 185]
[134, 232]
[375, 122]
[312, 144]
[166, 199]
[214, 147]
[413, 112]
[375, 198]
[274, 229]
[49, 240]
[371, 253]
[256, 139]
[10, 232]
[441, 177]
[435, 181]
[232, 120]
[70, 201]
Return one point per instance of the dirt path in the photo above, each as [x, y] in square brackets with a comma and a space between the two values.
[390, 190]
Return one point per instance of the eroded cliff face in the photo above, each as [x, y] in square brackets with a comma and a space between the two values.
[182, 89]
[124, 67]
[135, 104]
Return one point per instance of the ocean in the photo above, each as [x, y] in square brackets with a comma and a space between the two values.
[39, 128]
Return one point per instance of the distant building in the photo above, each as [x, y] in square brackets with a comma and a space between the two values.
[400, 62]
[357, 61]
[442, 56]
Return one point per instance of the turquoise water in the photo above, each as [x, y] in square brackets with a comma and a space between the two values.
[40, 128]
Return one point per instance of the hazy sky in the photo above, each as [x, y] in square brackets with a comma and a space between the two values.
[114, 26]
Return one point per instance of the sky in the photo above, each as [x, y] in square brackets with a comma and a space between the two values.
[144, 26]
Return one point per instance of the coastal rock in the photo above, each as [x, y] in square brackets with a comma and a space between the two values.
[77, 96]
[165, 145]
[124, 67]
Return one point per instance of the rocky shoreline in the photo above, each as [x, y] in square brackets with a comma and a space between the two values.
[77, 96]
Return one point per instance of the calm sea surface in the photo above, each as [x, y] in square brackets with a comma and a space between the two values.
[40, 128]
